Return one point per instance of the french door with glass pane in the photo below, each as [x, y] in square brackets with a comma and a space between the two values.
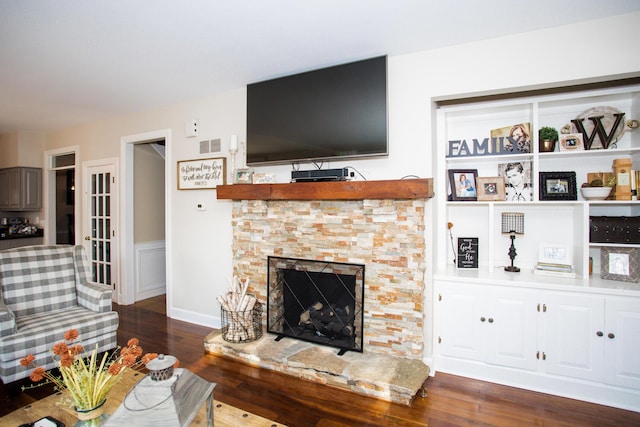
[100, 241]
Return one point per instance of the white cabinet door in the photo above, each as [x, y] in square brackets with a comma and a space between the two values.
[460, 332]
[622, 341]
[574, 335]
[511, 328]
[490, 324]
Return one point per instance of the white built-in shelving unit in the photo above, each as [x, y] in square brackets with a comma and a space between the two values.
[562, 222]
[572, 337]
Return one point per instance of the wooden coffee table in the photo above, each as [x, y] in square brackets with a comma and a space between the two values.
[56, 407]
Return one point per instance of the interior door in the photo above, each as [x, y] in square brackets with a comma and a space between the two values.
[100, 211]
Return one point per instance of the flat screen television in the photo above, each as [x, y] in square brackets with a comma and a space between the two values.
[333, 113]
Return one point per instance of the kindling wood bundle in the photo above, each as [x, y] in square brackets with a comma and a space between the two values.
[239, 307]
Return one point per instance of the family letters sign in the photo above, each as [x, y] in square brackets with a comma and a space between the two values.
[486, 147]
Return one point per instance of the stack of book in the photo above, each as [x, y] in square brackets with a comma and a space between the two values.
[556, 270]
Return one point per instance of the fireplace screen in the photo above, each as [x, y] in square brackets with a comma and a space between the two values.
[316, 301]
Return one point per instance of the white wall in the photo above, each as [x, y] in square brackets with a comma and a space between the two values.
[201, 258]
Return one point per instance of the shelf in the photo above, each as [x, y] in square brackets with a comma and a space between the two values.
[330, 190]
[506, 158]
[612, 152]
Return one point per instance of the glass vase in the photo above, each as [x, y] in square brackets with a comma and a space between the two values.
[91, 417]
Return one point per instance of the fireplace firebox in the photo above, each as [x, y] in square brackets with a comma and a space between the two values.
[316, 301]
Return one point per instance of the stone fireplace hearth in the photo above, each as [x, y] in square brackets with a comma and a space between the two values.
[384, 234]
[394, 379]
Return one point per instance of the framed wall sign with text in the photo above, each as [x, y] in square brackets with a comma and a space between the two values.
[467, 252]
[202, 173]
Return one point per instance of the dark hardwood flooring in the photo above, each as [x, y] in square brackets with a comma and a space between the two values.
[452, 400]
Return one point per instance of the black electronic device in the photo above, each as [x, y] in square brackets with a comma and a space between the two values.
[333, 113]
[320, 175]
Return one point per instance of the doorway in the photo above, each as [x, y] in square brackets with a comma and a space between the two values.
[61, 207]
[65, 207]
[144, 209]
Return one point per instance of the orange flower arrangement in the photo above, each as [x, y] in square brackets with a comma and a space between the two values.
[87, 379]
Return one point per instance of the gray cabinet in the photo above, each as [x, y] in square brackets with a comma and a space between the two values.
[21, 189]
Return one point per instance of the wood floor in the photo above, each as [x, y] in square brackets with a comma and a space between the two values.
[452, 400]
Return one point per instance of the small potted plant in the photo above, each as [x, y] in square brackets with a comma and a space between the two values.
[547, 137]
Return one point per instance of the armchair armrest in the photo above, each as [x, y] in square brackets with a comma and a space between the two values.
[91, 295]
[7, 321]
[94, 296]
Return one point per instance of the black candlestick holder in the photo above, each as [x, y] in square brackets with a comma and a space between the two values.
[512, 255]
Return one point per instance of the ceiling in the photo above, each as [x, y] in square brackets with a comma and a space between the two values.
[68, 62]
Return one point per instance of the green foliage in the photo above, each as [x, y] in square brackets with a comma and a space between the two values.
[548, 133]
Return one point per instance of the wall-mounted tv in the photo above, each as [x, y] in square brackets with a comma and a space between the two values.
[333, 113]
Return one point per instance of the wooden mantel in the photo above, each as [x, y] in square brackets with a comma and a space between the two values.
[330, 190]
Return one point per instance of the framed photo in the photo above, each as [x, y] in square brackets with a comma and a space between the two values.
[558, 186]
[517, 180]
[463, 184]
[467, 256]
[490, 188]
[571, 142]
[618, 263]
[515, 139]
[555, 253]
[202, 173]
[243, 176]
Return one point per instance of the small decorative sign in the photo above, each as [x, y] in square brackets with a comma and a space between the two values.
[264, 178]
[467, 252]
[202, 173]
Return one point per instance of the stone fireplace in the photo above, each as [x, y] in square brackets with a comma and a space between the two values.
[377, 224]
[387, 236]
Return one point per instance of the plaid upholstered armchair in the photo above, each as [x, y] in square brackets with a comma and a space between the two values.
[45, 291]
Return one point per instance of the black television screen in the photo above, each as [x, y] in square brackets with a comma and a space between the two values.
[338, 112]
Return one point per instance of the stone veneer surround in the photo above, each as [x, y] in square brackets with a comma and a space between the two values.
[385, 235]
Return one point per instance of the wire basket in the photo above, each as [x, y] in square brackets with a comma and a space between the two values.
[242, 326]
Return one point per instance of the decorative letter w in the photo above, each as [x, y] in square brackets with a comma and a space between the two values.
[598, 129]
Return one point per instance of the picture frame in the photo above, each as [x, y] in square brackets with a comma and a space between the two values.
[201, 174]
[463, 184]
[571, 142]
[518, 182]
[514, 139]
[558, 186]
[243, 176]
[490, 188]
[619, 263]
[555, 253]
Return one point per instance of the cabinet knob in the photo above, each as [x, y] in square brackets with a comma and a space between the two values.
[611, 335]
[599, 333]
[490, 319]
[482, 319]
